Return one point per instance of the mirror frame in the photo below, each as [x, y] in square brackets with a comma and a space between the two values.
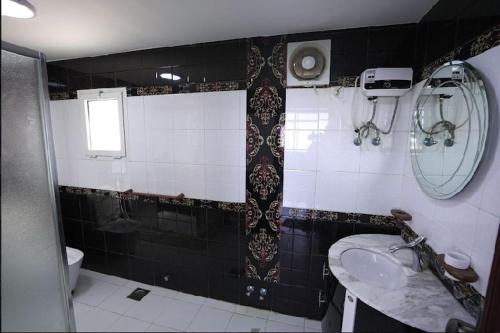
[426, 186]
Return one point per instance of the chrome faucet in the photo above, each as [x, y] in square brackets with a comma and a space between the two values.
[417, 259]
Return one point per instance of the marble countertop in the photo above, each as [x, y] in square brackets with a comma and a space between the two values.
[423, 302]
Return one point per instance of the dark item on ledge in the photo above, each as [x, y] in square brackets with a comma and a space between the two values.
[401, 215]
[464, 275]
[180, 196]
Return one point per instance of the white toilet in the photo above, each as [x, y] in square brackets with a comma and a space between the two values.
[75, 258]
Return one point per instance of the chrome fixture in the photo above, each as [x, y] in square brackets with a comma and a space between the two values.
[364, 131]
[442, 125]
[417, 259]
[250, 290]
[263, 293]
[18, 9]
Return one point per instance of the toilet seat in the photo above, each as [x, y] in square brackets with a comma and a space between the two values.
[74, 255]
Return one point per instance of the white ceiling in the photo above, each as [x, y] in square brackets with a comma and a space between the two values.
[64, 29]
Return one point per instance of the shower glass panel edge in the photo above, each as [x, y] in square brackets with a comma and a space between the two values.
[62, 263]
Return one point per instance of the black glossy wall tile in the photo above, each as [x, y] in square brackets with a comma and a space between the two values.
[142, 270]
[224, 288]
[116, 242]
[103, 80]
[354, 41]
[325, 234]
[73, 233]
[94, 238]
[118, 265]
[95, 260]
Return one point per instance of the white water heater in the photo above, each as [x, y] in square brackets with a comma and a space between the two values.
[385, 82]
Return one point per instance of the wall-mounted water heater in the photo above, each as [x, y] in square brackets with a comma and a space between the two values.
[308, 63]
[383, 82]
[378, 83]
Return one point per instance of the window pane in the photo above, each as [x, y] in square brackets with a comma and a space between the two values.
[104, 125]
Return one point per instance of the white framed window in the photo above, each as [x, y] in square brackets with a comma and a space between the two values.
[104, 112]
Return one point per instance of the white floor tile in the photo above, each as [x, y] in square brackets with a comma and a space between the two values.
[274, 326]
[104, 277]
[314, 324]
[210, 319]
[148, 308]
[126, 324]
[92, 291]
[135, 284]
[285, 319]
[118, 301]
[215, 303]
[80, 308]
[101, 303]
[177, 314]
[158, 328]
[190, 298]
[241, 323]
[165, 292]
[95, 320]
[252, 312]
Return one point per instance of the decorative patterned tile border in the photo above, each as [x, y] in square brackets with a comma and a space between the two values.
[465, 293]
[266, 93]
[195, 203]
[323, 215]
[474, 47]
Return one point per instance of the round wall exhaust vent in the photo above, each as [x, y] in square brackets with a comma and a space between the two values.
[307, 63]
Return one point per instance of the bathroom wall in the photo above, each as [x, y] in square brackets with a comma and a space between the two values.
[338, 180]
[324, 169]
[184, 143]
[468, 222]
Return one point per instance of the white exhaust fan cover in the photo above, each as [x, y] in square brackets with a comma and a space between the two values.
[308, 63]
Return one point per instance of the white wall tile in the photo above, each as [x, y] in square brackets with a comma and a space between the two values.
[158, 112]
[301, 149]
[222, 110]
[299, 188]
[190, 180]
[138, 179]
[336, 191]
[75, 128]
[57, 114]
[135, 112]
[223, 182]
[483, 247]
[165, 146]
[337, 152]
[223, 147]
[189, 146]
[188, 111]
[160, 145]
[136, 144]
[161, 178]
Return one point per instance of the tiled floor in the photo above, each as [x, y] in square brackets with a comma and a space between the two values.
[101, 305]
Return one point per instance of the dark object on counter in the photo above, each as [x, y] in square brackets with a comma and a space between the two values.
[401, 215]
[457, 326]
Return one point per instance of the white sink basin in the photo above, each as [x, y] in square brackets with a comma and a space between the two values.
[373, 268]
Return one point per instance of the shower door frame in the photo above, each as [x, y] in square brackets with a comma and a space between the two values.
[51, 172]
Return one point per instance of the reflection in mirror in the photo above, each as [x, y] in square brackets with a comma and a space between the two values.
[449, 128]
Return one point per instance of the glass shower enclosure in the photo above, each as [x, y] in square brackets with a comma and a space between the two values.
[34, 271]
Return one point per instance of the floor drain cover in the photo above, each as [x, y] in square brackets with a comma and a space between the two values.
[138, 294]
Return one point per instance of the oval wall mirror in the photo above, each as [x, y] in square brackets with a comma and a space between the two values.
[449, 128]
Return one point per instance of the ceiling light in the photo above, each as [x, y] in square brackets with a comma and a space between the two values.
[170, 76]
[18, 9]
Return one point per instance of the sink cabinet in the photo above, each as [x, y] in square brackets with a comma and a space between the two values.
[346, 313]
